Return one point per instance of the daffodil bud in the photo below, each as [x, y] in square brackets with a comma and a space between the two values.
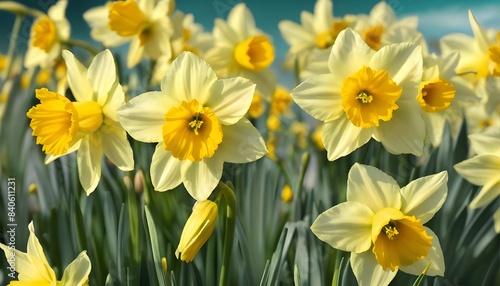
[197, 230]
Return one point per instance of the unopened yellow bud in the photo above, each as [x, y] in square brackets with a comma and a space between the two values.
[286, 194]
[197, 230]
[32, 188]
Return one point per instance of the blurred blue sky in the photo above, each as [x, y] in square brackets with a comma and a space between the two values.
[436, 18]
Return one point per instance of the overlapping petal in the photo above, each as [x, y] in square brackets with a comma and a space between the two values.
[89, 162]
[102, 76]
[165, 169]
[201, 177]
[242, 143]
[341, 137]
[367, 270]
[77, 78]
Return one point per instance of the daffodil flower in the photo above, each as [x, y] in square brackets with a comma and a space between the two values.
[240, 49]
[47, 33]
[316, 31]
[367, 94]
[382, 225]
[34, 269]
[89, 124]
[484, 169]
[198, 121]
[479, 55]
[143, 23]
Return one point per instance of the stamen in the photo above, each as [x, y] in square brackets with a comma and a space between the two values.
[390, 230]
[195, 124]
[364, 97]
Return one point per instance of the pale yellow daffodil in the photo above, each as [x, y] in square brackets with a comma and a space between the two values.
[89, 125]
[34, 269]
[198, 122]
[382, 225]
[367, 94]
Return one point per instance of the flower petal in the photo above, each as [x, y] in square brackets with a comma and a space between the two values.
[367, 270]
[230, 99]
[403, 62]
[264, 79]
[479, 32]
[320, 96]
[143, 115]
[89, 162]
[241, 20]
[102, 75]
[373, 188]
[77, 272]
[341, 137]
[165, 170]
[424, 196]
[435, 257]
[486, 143]
[77, 78]
[242, 143]
[346, 226]
[488, 193]
[50, 158]
[480, 170]
[135, 53]
[115, 100]
[189, 77]
[201, 177]
[405, 132]
[349, 53]
[225, 35]
[117, 148]
[323, 16]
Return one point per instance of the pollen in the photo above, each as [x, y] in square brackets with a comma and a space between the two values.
[435, 95]
[369, 96]
[191, 131]
[43, 34]
[255, 53]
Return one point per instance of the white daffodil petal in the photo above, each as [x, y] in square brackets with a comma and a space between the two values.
[115, 100]
[488, 193]
[480, 170]
[143, 115]
[224, 34]
[77, 78]
[435, 258]
[230, 99]
[34, 247]
[264, 79]
[165, 170]
[34, 57]
[323, 16]
[367, 270]
[383, 14]
[77, 272]
[117, 148]
[102, 75]
[89, 162]
[479, 32]
[346, 226]
[242, 143]
[403, 62]
[483, 143]
[201, 177]
[316, 64]
[135, 53]
[320, 97]
[373, 188]
[242, 21]
[341, 137]
[405, 132]
[189, 77]
[296, 36]
[424, 196]
[349, 54]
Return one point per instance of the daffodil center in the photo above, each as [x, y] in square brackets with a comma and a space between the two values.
[191, 131]
[373, 36]
[369, 96]
[435, 95]
[56, 120]
[127, 19]
[326, 39]
[43, 34]
[398, 239]
[255, 53]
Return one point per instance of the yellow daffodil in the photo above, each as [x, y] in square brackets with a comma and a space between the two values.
[34, 269]
[316, 31]
[187, 36]
[382, 225]
[443, 95]
[240, 49]
[479, 55]
[89, 124]
[47, 34]
[257, 106]
[484, 169]
[197, 230]
[198, 121]
[367, 94]
[143, 23]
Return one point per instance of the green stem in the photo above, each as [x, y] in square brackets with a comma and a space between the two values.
[230, 198]
[81, 44]
[12, 44]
